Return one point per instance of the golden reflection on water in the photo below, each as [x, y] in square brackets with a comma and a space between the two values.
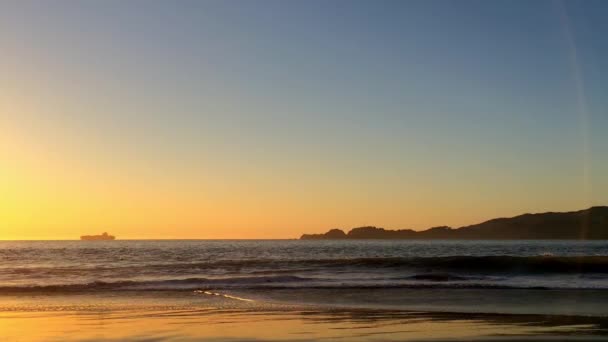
[241, 324]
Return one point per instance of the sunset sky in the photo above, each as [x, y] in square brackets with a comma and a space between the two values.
[243, 119]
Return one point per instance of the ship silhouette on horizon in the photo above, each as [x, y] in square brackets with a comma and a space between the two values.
[103, 237]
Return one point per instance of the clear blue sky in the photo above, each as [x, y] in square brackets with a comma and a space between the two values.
[300, 115]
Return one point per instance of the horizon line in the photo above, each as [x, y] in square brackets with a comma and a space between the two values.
[297, 238]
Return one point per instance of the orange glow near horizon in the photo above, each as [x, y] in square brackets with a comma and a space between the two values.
[49, 195]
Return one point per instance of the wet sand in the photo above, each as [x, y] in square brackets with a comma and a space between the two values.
[215, 317]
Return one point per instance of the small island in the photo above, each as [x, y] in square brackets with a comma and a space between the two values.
[103, 237]
[588, 224]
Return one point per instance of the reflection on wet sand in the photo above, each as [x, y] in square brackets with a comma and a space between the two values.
[221, 316]
[213, 324]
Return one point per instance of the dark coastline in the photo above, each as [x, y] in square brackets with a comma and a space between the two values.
[588, 224]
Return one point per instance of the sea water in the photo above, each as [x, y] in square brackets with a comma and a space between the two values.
[549, 277]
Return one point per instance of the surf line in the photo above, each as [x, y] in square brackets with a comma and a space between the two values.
[209, 293]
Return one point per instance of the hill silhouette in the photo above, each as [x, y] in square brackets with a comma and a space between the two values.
[588, 224]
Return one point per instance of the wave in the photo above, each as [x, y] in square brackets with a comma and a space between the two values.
[413, 272]
[514, 264]
[170, 284]
[482, 264]
[201, 285]
[438, 277]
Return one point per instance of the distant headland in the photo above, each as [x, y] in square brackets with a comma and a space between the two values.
[102, 237]
[588, 224]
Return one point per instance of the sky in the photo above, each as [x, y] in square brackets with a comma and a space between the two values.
[269, 119]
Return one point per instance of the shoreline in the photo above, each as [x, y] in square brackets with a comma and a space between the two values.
[470, 301]
[212, 324]
[150, 316]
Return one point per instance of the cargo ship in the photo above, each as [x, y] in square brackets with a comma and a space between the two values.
[102, 237]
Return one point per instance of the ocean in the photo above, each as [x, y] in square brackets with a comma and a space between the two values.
[462, 278]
